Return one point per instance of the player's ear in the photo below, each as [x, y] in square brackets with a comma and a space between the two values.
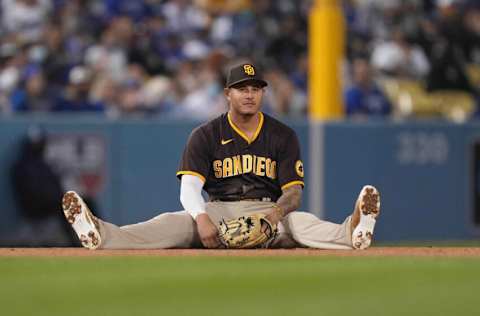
[226, 92]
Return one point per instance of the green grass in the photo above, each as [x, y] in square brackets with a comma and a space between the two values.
[239, 286]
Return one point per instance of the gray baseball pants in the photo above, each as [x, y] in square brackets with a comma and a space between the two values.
[178, 229]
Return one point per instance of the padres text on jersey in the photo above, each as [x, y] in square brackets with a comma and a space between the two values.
[242, 164]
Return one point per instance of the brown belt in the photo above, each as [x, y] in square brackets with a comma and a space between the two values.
[262, 199]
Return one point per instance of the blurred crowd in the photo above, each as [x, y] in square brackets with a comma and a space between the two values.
[168, 57]
[429, 48]
[147, 57]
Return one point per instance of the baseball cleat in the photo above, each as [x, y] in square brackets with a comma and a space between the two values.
[84, 223]
[364, 217]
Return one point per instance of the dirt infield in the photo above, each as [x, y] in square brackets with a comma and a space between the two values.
[374, 251]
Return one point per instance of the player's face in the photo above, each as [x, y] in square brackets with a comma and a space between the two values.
[245, 98]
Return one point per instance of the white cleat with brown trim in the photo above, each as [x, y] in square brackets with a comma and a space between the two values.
[364, 217]
[82, 220]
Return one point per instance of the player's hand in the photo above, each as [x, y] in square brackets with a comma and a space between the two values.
[274, 216]
[207, 231]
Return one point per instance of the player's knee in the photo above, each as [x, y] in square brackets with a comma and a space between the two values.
[176, 217]
[298, 218]
[298, 223]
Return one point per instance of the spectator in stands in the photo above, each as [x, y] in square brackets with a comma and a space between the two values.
[285, 99]
[155, 94]
[77, 95]
[407, 39]
[288, 45]
[184, 17]
[143, 49]
[471, 23]
[364, 98]
[109, 56]
[57, 61]
[448, 68]
[129, 97]
[298, 77]
[8, 75]
[33, 94]
[447, 54]
[161, 36]
[26, 18]
[428, 35]
[137, 10]
[400, 58]
[202, 98]
[105, 91]
[13, 59]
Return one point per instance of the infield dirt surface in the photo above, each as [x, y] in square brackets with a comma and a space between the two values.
[374, 251]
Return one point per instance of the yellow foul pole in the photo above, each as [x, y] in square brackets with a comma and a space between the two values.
[326, 50]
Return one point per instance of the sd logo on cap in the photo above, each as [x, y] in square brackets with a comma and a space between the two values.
[249, 70]
[244, 72]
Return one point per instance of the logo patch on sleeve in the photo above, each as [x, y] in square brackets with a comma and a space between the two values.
[299, 168]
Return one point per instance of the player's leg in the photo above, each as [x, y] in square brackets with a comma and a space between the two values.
[309, 231]
[355, 232]
[168, 230]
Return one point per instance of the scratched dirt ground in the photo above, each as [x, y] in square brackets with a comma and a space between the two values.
[374, 251]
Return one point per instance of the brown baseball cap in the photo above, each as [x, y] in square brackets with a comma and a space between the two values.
[244, 72]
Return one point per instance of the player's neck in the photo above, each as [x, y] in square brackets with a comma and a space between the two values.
[247, 123]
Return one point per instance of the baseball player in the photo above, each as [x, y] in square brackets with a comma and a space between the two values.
[248, 163]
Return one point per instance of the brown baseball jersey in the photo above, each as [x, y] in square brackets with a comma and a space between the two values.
[234, 167]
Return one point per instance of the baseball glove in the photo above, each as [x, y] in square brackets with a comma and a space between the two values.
[246, 232]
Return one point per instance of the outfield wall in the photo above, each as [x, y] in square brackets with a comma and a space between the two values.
[131, 163]
[422, 169]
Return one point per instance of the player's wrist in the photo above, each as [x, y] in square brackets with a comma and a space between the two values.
[278, 211]
[275, 215]
[198, 215]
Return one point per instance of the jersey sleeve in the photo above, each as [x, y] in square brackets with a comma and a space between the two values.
[195, 159]
[290, 165]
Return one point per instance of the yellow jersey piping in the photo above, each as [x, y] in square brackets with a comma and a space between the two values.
[242, 134]
[289, 184]
[193, 173]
